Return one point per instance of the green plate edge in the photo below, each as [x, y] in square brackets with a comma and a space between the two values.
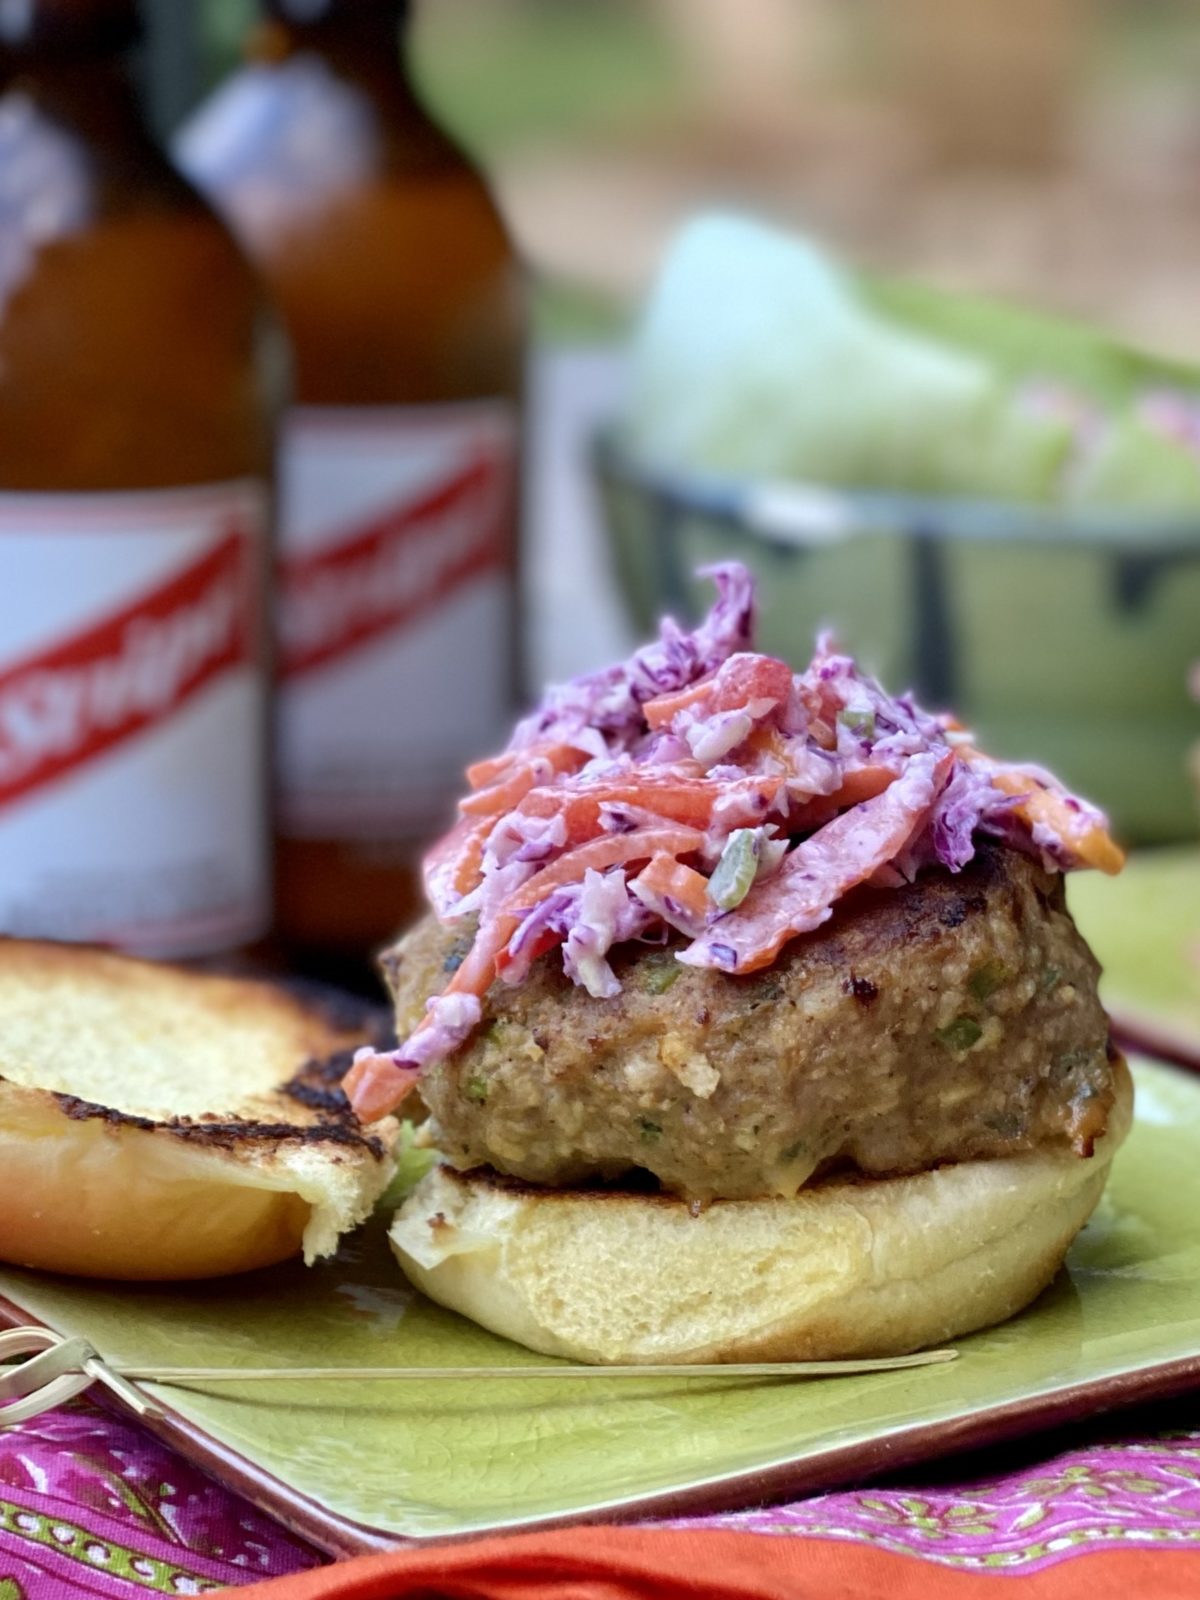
[1145, 928]
[447, 1459]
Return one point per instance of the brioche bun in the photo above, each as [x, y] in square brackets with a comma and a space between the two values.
[157, 1123]
[846, 1268]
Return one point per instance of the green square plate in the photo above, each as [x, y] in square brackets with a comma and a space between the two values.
[1145, 928]
[356, 1467]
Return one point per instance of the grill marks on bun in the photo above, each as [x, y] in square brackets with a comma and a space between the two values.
[338, 1124]
[159, 1123]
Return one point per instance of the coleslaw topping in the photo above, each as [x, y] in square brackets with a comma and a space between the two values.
[705, 790]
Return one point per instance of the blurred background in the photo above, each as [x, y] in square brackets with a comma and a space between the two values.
[997, 507]
[1047, 149]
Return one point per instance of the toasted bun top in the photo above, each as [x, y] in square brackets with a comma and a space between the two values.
[161, 1042]
[849, 1267]
[137, 1094]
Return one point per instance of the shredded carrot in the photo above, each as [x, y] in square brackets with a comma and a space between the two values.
[670, 879]
[690, 801]
[377, 1085]
[543, 942]
[500, 797]
[454, 865]
[481, 774]
[475, 974]
[662, 710]
[1092, 843]
[863, 783]
[822, 704]
[611, 850]
[513, 781]
[740, 680]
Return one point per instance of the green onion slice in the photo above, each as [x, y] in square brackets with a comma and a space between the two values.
[735, 872]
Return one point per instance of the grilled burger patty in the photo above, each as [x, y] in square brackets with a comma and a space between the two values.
[950, 1019]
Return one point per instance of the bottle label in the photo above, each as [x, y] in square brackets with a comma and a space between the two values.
[396, 615]
[132, 718]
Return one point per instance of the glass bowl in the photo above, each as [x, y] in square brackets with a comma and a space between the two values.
[1060, 637]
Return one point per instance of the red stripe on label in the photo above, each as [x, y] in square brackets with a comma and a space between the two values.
[374, 578]
[64, 706]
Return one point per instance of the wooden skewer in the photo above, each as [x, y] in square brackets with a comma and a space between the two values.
[60, 1368]
[749, 1369]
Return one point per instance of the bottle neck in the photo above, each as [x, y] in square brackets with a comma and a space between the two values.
[96, 98]
[76, 62]
[355, 31]
[363, 42]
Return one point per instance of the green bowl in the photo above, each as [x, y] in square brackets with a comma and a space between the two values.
[1064, 638]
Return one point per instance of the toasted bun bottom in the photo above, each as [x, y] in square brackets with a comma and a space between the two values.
[847, 1268]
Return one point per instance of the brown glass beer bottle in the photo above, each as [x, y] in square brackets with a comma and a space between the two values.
[136, 420]
[402, 299]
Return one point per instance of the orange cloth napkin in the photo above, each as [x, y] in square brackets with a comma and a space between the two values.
[595, 1563]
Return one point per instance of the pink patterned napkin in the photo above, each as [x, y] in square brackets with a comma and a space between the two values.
[1139, 1492]
[91, 1505]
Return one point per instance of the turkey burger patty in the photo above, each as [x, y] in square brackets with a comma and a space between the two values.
[952, 1019]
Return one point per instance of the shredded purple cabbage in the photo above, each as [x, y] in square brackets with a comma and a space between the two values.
[589, 918]
[517, 837]
[600, 712]
[969, 803]
[607, 915]
[450, 1020]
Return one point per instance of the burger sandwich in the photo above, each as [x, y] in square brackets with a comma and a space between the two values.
[750, 1019]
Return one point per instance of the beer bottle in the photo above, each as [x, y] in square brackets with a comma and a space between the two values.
[402, 298]
[136, 431]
